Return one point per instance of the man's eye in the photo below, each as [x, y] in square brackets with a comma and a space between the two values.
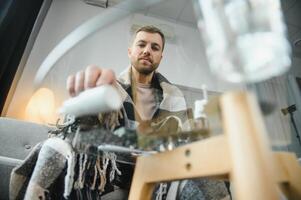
[141, 45]
[155, 48]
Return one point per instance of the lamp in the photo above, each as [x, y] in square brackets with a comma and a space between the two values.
[41, 107]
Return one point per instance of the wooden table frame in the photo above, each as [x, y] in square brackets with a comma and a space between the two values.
[242, 154]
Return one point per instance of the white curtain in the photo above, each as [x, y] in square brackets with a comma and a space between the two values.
[275, 93]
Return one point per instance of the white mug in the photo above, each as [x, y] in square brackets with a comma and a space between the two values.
[93, 101]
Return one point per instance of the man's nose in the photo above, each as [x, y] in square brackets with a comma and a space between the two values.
[147, 50]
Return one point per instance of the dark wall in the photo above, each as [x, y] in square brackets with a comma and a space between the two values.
[17, 18]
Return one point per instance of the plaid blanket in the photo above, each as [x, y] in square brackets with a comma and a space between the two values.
[169, 101]
[54, 170]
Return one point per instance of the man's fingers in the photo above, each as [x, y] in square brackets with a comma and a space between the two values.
[92, 74]
[107, 77]
[71, 85]
[79, 82]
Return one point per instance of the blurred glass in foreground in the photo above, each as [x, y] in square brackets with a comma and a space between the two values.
[245, 39]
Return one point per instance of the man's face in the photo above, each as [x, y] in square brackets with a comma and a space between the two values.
[146, 52]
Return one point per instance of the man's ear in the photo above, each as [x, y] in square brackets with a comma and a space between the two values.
[129, 52]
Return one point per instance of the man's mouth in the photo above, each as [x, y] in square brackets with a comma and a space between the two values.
[146, 59]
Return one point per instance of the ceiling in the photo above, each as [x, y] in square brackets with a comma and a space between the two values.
[174, 10]
[181, 11]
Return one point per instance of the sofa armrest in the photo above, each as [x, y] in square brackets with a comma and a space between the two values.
[18, 137]
[10, 161]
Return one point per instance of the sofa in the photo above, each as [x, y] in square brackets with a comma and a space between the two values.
[17, 138]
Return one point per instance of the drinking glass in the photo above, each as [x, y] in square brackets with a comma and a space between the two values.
[245, 40]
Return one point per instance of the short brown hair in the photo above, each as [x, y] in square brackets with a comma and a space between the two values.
[152, 29]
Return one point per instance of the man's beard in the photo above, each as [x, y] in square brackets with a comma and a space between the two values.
[145, 70]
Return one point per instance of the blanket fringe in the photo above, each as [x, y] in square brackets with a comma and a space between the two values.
[69, 178]
[99, 171]
[161, 191]
[110, 120]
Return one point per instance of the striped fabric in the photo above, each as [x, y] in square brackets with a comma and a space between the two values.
[169, 101]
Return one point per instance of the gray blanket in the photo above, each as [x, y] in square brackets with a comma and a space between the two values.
[56, 169]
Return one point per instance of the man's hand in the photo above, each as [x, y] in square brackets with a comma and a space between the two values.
[91, 77]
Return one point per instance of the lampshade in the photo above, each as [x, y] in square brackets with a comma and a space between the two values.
[41, 107]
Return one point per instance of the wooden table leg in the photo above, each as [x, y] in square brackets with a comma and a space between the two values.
[252, 173]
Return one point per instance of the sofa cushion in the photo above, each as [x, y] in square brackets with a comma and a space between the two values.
[18, 137]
